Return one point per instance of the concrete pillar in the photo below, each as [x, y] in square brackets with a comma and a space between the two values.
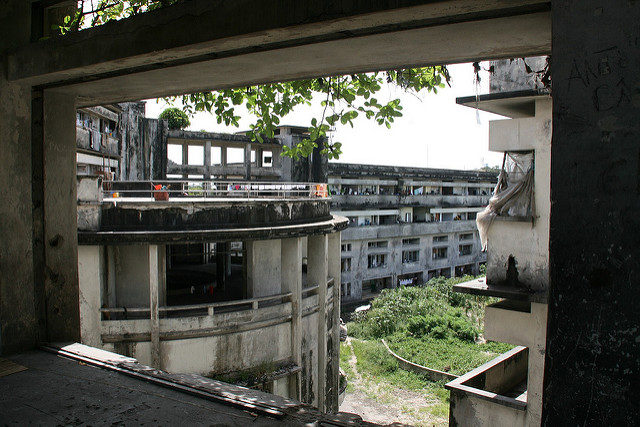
[207, 160]
[223, 264]
[247, 161]
[60, 217]
[317, 270]
[91, 275]
[276, 159]
[536, 363]
[291, 267]
[223, 160]
[185, 158]
[334, 270]
[223, 155]
[110, 293]
[259, 157]
[19, 313]
[263, 268]
[154, 306]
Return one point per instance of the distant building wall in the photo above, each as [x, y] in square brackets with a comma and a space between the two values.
[407, 225]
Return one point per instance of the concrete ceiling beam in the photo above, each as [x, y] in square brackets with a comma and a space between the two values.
[506, 37]
[198, 31]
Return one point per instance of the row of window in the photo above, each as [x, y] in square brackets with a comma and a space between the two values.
[372, 190]
[408, 257]
[376, 284]
[346, 247]
[234, 155]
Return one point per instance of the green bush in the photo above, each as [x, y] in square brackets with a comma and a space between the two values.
[177, 118]
[429, 310]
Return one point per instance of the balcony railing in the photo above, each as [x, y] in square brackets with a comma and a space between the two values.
[210, 189]
[209, 309]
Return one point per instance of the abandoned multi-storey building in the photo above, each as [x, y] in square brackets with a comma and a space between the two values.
[406, 225]
[591, 345]
[197, 274]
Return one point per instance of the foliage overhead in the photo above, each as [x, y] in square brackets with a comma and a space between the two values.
[177, 118]
[343, 98]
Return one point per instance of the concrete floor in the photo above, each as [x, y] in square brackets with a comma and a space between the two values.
[56, 390]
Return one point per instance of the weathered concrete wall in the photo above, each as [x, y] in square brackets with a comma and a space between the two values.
[183, 214]
[593, 341]
[132, 274]
[142, 144]
[309, 380]
[18, 317]
[511, 74]
[229, 352]
[263, 268]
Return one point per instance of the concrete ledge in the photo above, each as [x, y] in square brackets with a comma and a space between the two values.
[482, 288]
[432, 374]
[336, 223]
[491, 381]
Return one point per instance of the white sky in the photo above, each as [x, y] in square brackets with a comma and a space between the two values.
[433, 132]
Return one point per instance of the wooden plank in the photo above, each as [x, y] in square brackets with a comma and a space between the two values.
[7, 367]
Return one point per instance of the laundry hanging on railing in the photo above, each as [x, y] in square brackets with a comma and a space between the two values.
[513, 195]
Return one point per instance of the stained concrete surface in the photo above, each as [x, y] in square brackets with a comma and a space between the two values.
[55, 390]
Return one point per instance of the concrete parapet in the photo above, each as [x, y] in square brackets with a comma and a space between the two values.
[432, 374]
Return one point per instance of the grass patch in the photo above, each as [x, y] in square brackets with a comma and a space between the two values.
[384, 377]
[430, 325]
[451, 355]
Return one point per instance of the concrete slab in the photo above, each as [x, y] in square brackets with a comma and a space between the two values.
[58, 390]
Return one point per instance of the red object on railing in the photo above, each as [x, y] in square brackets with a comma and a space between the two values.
[160, 193]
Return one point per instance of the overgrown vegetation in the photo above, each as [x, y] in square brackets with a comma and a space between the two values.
[430, 325]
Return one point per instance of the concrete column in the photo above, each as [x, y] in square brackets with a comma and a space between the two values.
[259, 157]
[223, 155]
[536, 363]
[223, 263]
[317, 269]
[90, 278]
[154, 296]
[223, 159]
[263, 268]
[22, 293]
[334, 258]
[60, 217]
[276, 159]
[110, 293]
[207, 160]
[185, 158]
[291, 267]
[247, 161]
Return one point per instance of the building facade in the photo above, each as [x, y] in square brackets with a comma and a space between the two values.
[406, 225]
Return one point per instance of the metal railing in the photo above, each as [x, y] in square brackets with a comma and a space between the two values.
[207, 309]
[207, 189]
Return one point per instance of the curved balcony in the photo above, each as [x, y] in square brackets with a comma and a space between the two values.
[115, 212]
[198, 338]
